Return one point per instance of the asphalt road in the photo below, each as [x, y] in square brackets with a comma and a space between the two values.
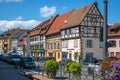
[8, 72]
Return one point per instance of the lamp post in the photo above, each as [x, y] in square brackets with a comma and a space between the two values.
[105, 30]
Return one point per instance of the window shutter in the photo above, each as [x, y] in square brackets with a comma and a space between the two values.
[92, 43]
[85, 43]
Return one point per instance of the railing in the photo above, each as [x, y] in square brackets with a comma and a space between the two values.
[85, 75]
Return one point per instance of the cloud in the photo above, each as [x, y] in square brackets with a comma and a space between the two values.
[5, 25]
[11, 0]
[19, 18]
[47, 11]
[1, 0]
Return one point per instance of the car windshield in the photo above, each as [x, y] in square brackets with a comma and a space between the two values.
[28, 59]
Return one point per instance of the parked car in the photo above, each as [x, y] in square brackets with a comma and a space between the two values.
[94, 67]
[5, 57]
[1, 55]
[85, 62]
[14, 58]
[90, 60]
[40, 59]
[27, 62]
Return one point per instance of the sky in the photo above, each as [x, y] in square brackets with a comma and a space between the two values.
[26, 14]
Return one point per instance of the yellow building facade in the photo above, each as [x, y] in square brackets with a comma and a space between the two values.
[54, 47]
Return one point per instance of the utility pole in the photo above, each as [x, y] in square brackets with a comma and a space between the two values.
[105, 31]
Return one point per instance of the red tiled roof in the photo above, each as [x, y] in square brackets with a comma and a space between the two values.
[47, 25]
[36, 30]
[58, 23]
[77, 16]
[42, 27]
[116, 28]
[116, 25]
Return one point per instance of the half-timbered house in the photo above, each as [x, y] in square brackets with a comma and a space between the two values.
[80, 33]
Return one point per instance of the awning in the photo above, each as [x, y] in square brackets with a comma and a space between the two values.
[41, 50]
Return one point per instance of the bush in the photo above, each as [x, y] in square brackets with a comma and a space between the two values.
[51, 68]
[74, 68]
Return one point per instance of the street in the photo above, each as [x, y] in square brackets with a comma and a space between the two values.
[8, 72]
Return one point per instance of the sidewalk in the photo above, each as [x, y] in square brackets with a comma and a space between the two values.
[39, 77]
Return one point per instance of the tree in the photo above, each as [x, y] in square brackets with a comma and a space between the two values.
[80, 57]
[51, 68]
[74, 68]
[75, 56]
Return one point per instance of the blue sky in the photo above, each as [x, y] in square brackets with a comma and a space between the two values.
[29, 13]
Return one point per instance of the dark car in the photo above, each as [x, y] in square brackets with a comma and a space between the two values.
[85, 62]
[40, 59]
[14, 59]
[5, 57]
[27, 62]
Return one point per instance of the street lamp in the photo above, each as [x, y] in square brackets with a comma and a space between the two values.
[105, 30]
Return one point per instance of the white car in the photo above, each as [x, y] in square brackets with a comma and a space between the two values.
[93, 68]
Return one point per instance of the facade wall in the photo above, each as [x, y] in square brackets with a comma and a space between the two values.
[54, 47]
[115, 50]
[73, 45]
[96, 48]
[37, 45]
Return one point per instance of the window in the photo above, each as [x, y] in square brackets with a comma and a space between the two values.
[63, 32]
[85, 30]
[58, 45]
[68, 32]
[49, 46]
[93, 20]
[76, 30]
[112, 31]
[89, 44]
[112, 43]
[75, 43]
[55, 46]
[65, 44]
[52, 45]
[58, 55]
[73, 30]
[118, 54]
[112, 54]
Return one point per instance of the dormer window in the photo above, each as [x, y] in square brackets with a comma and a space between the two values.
[112, 31]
